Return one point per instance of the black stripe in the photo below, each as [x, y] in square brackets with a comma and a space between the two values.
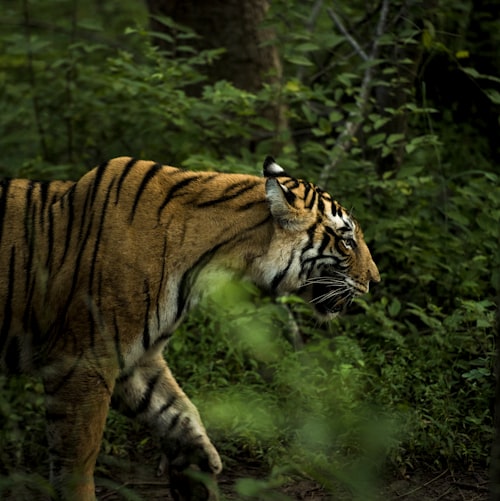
[71, 215]
[7, 312]
[310, 238]
[334, 210]
[165, 407]
[321, 205]
[122, 378]
[232, 196]
[290, 197]
[85, 213]
[307, 189]
[250, 205]
[125, 172]
[311, 203]
[173, 423]
[145, 400]
[28, 316]
[146, 336]
[117, 342]
[291, 183]
[190, 276]
[278, 278]
[178, 186]
[5, 185]
[50, 239]
[162, 278]
[44, 195]
[324, 243]
[162, 338]
[150, 174]
[29, 232]
[76, 268]
[61, 200]
[98, 175]
[98, 236]
[330, 232]
[93, 262]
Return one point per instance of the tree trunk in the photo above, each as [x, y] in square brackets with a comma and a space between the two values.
[235, 25]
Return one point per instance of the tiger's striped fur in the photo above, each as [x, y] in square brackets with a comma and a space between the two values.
[96, 275]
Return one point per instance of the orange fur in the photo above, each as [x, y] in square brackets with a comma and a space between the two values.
[96, 275]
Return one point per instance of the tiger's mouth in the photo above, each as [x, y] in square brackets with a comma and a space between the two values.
[330, 296]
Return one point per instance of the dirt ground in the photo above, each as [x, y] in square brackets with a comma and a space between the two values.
[138, 481]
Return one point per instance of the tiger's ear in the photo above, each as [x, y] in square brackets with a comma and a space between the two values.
[272, 169]
[280, 200]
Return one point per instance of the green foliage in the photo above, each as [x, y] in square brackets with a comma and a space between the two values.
[94, 98]
[22, 439]
[21, 422]
[406, 377]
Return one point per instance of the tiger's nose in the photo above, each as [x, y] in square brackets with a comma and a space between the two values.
[373, 273]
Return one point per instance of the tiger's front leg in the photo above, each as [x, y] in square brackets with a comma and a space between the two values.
[150, 393]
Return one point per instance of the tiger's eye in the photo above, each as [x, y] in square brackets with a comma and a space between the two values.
[349, 243]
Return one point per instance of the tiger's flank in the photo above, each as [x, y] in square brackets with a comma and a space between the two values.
[96, 275]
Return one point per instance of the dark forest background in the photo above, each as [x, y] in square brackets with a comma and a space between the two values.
[393, 107]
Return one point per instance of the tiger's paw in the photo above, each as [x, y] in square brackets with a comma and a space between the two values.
[192, 471]
[191, 484]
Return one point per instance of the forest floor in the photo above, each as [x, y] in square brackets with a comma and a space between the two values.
[138, 481]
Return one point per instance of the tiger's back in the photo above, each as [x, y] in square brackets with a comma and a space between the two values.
[108, 246]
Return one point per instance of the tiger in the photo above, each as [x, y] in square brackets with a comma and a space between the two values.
[97, 274]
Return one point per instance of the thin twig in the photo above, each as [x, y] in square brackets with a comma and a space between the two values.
[336, 19]
[356, 117]
[311, 22]
[420, 487]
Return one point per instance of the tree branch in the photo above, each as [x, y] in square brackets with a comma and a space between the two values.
[350, 38]
[356, 117]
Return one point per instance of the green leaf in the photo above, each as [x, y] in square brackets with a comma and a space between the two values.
[493, 95]
[394, 138]
[299, 60]
[379, 122]
[394, 308]
[376, 139]
[335, 116]
[472, 72]
[306, 47]
[475, 374]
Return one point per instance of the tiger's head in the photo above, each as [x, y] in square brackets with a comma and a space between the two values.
[328, 262]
